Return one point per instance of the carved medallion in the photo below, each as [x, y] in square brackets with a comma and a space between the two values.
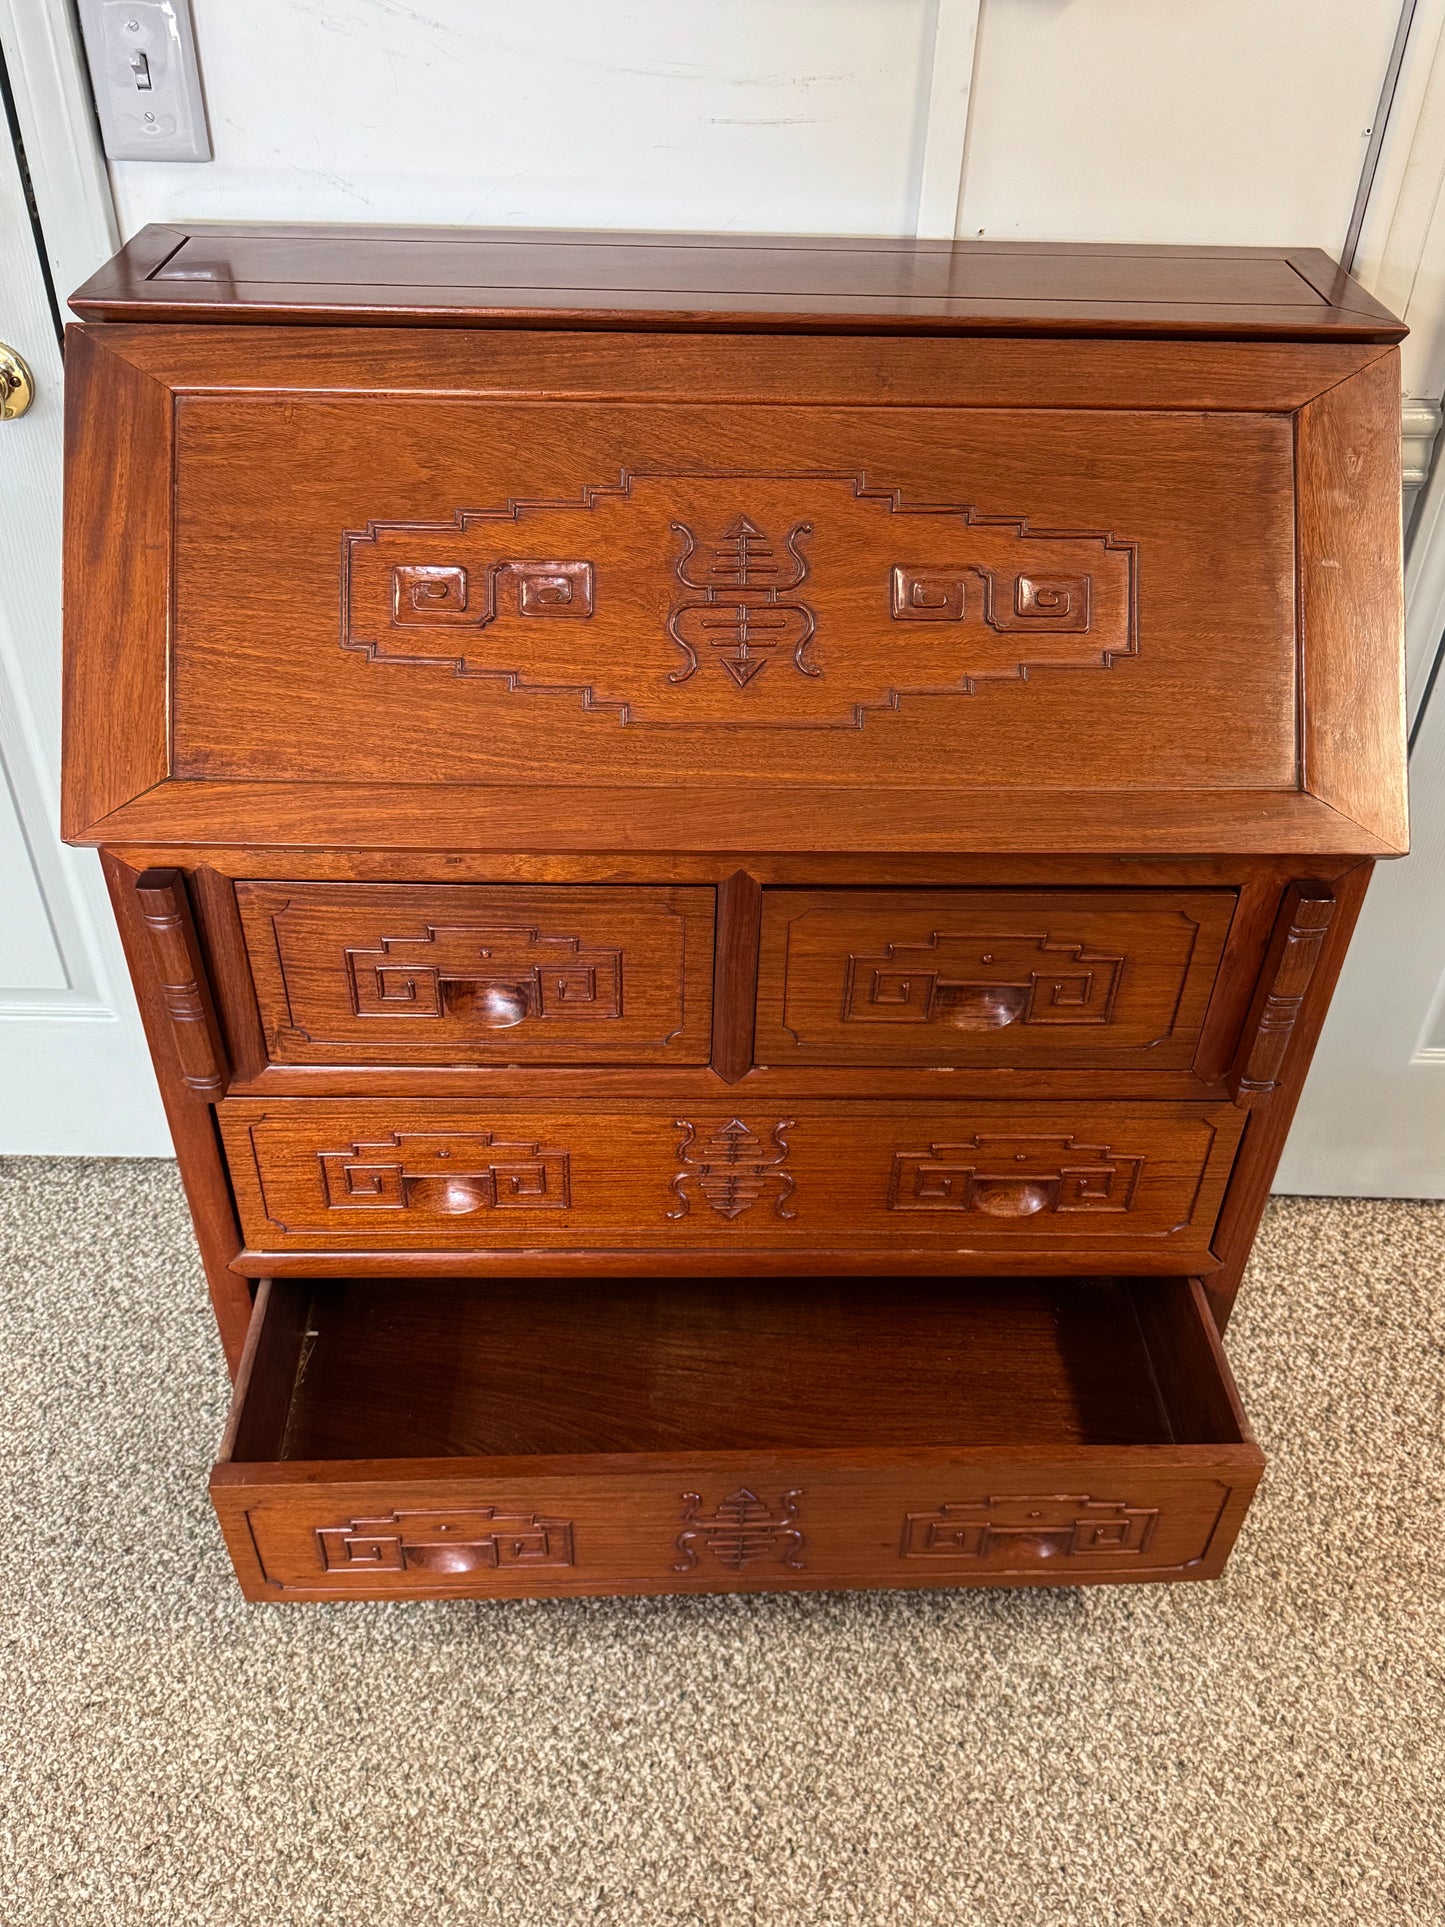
[1013, 1177]
[732, 1168]
[448, 1172]
[980, 599]
[740, 618]
[471, 1539]
[1052, 1525]
[742, 1530]
[982, 983]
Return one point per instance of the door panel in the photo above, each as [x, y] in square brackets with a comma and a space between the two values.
[75, 1077]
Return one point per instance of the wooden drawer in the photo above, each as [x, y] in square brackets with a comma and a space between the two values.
[1066, 1186]
[426, 1439]
[1029, 979]
[438, 974]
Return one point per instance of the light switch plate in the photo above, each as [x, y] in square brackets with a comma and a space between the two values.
[142, 56]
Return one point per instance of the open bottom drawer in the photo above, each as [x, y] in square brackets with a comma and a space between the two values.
[420, 1439]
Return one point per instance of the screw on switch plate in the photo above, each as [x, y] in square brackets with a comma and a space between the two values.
[142, 56]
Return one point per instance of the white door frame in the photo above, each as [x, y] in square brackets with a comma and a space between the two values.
[74, 1071]
[48, 80]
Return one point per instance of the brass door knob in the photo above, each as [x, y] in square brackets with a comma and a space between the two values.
[17, 384]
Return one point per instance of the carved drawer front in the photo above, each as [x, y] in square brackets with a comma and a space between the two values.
[433, 1439]
[1056, 1185]
[445, 974]
[1032, 979]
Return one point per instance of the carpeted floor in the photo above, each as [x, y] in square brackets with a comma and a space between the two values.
[1269, 1749]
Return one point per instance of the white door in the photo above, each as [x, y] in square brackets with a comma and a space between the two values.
[74, 1073]
[1106, 120]
[1371, 1122]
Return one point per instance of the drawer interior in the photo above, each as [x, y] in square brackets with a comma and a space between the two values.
[420, 1439]
[406, 1368]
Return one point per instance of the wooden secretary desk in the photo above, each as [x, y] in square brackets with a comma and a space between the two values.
[733, 854]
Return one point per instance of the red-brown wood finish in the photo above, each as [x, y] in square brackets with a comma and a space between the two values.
[427, 973]
[1032, 979]
[181, 978]
[446, 1442]
[509, 278]
[1071, 1186]
[971, 622]
[192, 1122]
[650, 781]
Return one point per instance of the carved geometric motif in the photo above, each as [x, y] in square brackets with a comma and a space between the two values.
[1054, 1524]
[1013, 1177]
[982, 983]
[487, 972]
[740, 1531]
[423, 595]
[732, 1169]
[983, 598]
[740, 617]
[448, 1172]
[1017, 605]
[471, 1539]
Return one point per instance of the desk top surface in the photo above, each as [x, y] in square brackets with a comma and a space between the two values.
[771, 283]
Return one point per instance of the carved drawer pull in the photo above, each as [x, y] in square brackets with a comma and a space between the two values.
[450, 1197]
[1012, 1197]
[447, 1174]
[493, 1006]
[471, 1539]
[1299, 938]
[983, 1007]
[1015, 1532]
[1059, 1175]
[176, 955]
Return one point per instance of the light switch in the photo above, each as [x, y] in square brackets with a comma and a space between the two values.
[142, 56]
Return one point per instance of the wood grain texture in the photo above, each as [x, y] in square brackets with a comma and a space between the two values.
[117, 583]
[1268, 1125]
[566, 365]
[359, 863]
[800, 817]
[1013, 746]
[514, 278]
[228, 970]
[192, 1125]
[1352, 601]
[1078, 1179]
[735, 989]
[579, 683]
[180, 977]
[1295, 952]
[1252, 884]
[1029, 979]
[757, 627]
[466, 973]
[453, 1441]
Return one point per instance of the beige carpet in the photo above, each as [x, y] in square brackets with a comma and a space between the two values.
[1267, 1749]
